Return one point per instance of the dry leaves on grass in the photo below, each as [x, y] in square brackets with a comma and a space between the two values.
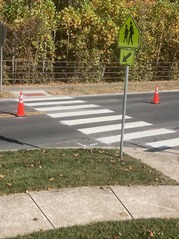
[116, 237]
[151, 233]
[51, 179]
[76, 155]
[130, 168]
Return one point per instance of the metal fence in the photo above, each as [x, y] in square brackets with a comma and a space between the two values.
[17, 71]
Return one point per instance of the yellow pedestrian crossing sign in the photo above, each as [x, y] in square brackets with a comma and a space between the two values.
[129, 34]
[127, 57]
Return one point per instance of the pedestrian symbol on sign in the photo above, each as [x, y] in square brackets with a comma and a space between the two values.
[131, 32]
[128, 33]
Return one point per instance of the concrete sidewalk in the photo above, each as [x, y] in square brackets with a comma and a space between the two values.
[166, 161]
[34, 211]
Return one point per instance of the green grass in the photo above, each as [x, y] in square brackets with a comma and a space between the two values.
[134, 229]
[58, 168]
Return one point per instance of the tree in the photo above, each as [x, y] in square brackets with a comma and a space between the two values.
[30, 26]
[88, 32]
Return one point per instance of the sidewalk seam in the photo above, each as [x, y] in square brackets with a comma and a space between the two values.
[42, 211]
[121, 202]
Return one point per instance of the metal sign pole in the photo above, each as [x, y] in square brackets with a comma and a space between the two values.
[2, 41]
[128, 41]
[1, 57]
[124, 110]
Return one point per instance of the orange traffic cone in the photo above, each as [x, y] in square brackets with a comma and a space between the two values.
[156, 96]
[20, 109]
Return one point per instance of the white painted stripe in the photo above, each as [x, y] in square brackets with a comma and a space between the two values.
[113, 127]
[71, 107]
[79, 113]
[165, 143]
[56, 103]
[147, 133]
[47, 98]
[94, 120]
[135, 135]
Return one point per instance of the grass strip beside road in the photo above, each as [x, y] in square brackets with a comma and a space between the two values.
[46, 169]
[92, 88]
[134, 229]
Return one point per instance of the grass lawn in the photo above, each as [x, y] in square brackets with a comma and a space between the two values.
[134, 229]
[29, 170]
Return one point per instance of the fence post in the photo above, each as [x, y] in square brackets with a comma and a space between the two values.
[13, 68]
[1, 53]
[43, 69]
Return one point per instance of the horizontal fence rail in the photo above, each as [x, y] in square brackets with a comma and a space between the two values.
[16, 71]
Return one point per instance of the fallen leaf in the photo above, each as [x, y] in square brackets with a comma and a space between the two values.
[76, 155]
[101, 151]
[1, 176]
[125, 169]
[102, 187]
[115, 237]
[151, 233]
[50, 179]
[123, 214]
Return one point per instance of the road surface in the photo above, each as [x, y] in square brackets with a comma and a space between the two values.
[91, 121]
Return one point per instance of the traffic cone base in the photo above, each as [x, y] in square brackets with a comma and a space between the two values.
[20, 108]
[156, 99]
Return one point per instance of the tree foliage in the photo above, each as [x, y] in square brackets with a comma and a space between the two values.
[87, 30]
[30, 26]
[91, 30]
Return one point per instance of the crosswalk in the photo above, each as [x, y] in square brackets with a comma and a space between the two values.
[102, 124]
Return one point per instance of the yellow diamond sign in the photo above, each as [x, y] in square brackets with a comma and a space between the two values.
[129, 34]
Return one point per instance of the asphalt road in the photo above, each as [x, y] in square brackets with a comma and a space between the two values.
[140, 106]
[45, 129]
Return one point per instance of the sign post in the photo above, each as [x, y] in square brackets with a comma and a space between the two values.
[128, 42]
[2, 40]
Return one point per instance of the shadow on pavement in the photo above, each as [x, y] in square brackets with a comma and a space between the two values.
[16, 141]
